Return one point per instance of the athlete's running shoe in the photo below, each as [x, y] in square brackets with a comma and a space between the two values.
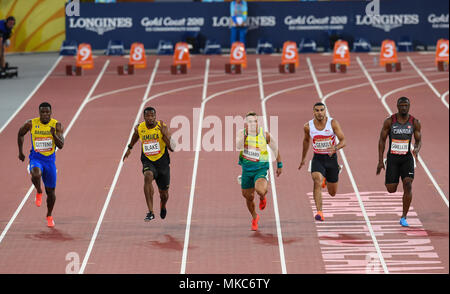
[50, 222]
[163, 213]
[262, 203]
[255, 223]
[38, 199]
[319, 216]
[324, 183]
[149, 217]
[403, 222]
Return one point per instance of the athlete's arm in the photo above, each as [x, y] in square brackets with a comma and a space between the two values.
[382, 143]
[240, 139]
[274, 146]
[58, 135]
[306, 142]
[417, 137]
[133, 141]
[167, 137]
[22, 131]
[339, 134]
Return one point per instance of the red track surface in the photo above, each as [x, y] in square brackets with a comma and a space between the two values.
[220, 240]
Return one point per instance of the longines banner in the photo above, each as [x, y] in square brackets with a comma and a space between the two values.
[423, 21]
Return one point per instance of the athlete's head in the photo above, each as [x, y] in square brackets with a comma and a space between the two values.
[251, 122]
[150, 115]
[403, 105]
[10, 22]
[319, 111]
[45, 112]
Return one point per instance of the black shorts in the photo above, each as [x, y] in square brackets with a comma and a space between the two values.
[399, 166]
[327, 165]
[159, 168]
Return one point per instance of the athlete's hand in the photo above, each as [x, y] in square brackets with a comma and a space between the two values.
[126, 154]
[21, 156]
[279, 172]
[415, 152]
[301, 164]
[53, 131]
[379, 167]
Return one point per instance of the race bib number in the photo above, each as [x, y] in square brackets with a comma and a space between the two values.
[323, 145]
[399, 147]
[252, 154]
[43, 144]
[151, 148]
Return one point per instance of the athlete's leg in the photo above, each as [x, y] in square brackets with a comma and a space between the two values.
[36, 175]
[317, 192]
[249, 197]
[407, 195]
[332, 188]
[148, 189]
[164, 195]
[391, 188]
[261, 187]
[51, 199]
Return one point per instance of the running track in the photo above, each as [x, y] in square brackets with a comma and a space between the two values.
[100, 203]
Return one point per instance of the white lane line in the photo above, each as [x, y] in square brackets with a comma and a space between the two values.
[443, 98]
[419, 157]
[31, 94]
[27, 195]
[272, 178]
[194, 171]
[352, 179]
[424, 77]
[116, 176]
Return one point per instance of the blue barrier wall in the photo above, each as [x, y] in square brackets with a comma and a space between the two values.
[423, 21]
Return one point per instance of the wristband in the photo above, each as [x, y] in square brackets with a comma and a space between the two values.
[279, 164]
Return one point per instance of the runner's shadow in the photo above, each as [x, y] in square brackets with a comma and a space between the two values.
[271, 239]
[169, 244]
[51, 235]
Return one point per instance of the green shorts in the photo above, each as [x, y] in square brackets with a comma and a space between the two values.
[249, 178]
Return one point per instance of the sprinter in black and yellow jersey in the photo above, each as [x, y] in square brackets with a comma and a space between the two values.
[155, 142]
[46, 135]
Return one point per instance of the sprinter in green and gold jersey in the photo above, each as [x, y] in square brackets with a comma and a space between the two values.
[253, 143]
[155, 140]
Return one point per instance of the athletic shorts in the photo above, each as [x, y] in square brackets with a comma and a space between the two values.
[327, 165]
[48, 171]
[160, 170]
[249, 178]
[399, 166]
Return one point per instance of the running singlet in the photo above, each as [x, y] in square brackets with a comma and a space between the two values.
[255, 154]
[400, 136]
[324, 140]
[43, 144]
[153, 146]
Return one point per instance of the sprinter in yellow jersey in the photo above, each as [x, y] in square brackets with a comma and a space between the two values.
[253, 143]
[46, 135]
[155, 142]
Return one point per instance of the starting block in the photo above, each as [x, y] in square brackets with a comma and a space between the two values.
[287, 68]
[334, 67]
[9, 72]
[391, 66]
[178, 69]
[233, 68]
[73, 70]
[125, 69]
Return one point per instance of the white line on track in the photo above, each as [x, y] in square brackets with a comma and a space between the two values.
[194, 171]
[27, 195]
[383, 102]
[116, 176]
[443, 98]
[272, 178]
[31, 95]
[352, 180]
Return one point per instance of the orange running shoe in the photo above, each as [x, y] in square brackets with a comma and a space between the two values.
[262, 203]
[38, 199]
[324, 183]
[50, 222]
[255, 223]
[319, 216]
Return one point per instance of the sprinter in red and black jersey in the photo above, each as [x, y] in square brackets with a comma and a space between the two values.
[400, 127]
